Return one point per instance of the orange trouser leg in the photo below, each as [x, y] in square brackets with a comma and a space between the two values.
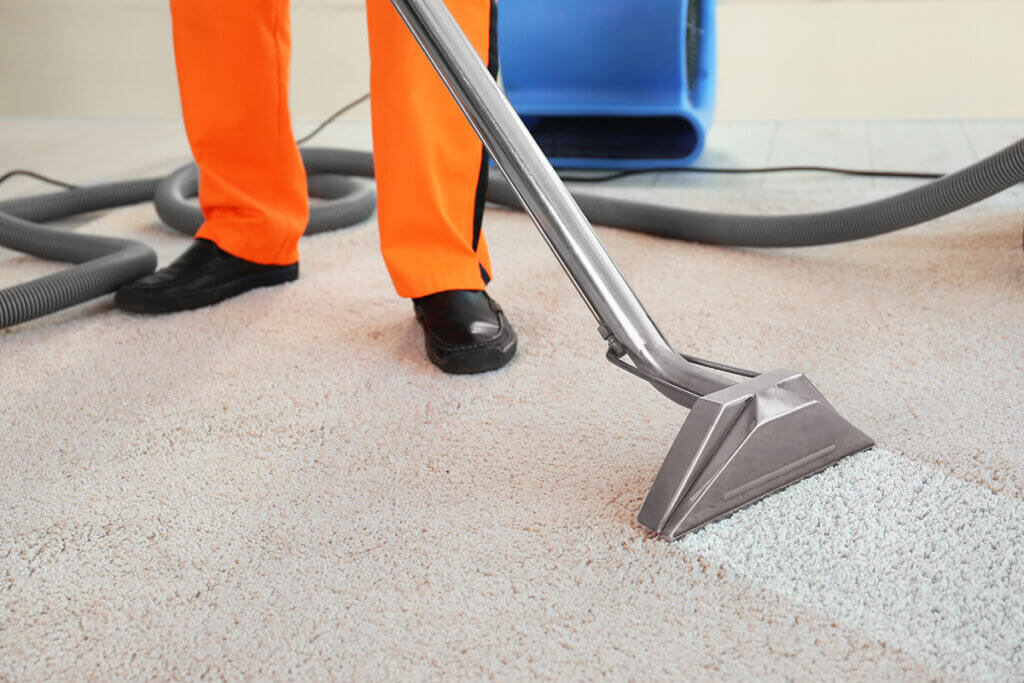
[232, 58]
[428, 160]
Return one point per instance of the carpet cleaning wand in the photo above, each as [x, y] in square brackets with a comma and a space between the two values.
[742, 440]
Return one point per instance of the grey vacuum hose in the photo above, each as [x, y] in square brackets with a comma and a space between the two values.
[106, 263]
[950, 193]
[345, 201]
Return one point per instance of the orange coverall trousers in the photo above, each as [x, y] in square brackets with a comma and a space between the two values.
[233, 64]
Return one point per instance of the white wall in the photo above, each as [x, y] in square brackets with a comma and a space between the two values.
[779, 59]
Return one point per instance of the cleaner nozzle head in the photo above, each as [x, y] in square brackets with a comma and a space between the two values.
[742, 443]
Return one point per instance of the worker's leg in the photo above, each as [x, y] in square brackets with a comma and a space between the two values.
[431, 169]
[232, 58]
[429, 162]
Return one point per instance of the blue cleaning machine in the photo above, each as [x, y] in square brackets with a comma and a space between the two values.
[622, 84]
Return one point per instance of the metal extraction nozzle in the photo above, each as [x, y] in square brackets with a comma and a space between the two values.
[742, 443]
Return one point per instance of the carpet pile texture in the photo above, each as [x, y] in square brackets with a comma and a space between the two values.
[282, 486]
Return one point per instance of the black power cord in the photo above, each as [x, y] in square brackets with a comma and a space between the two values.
[330, 119]
[765, 169]
[575, 178]
[38, 176]
[68, 186]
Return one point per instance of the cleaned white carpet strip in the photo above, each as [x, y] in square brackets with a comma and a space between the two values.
[903, 551]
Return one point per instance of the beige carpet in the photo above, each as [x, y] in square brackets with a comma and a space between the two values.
[283, 487]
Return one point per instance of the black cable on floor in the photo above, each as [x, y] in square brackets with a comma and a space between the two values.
[330, 119]
[68, 186]
[37, 176]
[766, 169]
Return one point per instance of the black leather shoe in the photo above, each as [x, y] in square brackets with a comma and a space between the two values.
[204, 274]
[465, 331]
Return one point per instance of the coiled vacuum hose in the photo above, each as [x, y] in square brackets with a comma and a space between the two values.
[106, 263]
